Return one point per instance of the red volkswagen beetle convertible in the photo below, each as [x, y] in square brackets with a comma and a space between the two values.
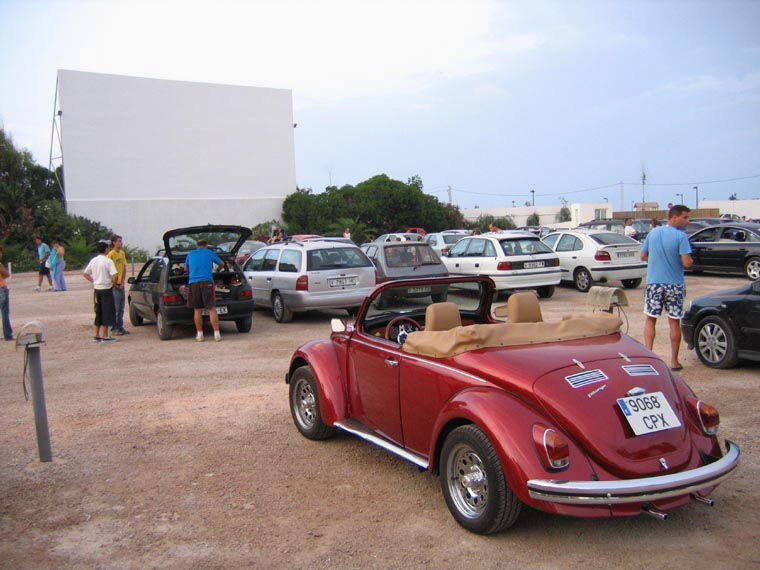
[570, 417]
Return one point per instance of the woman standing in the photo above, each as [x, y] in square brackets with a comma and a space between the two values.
[58, 281]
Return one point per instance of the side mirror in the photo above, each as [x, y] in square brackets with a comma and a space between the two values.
[131, 280]
[337, 325]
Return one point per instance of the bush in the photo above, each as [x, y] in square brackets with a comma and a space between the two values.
[482, 223]
[533, 220]
[136, 254]
[78, 253]
[22, 258]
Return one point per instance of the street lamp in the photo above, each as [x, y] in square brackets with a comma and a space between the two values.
[681, 195]
[533, 197]
[696, 205]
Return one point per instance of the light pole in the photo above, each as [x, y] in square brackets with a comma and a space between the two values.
[681, 195]
[533, 197]
[696, 205]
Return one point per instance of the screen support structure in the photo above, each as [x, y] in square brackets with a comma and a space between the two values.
[56, 146]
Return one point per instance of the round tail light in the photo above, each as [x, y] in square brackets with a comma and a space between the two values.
[552, 447]
[707, 416]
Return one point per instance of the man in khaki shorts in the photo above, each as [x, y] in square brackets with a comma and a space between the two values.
[201, 291]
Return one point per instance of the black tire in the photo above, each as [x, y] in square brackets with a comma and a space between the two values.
[545, 292]
[165, 331]
[305, 407]
[280, 311]
[582, 279]
[244, 325]
[495, 507]
[752, 268]
[631, 283]
[134, 316]
[715, 342]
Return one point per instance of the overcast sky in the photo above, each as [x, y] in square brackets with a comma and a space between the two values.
[491, 98]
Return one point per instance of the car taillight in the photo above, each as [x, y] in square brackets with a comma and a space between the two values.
[552, 447]
[302, 283]
[707, 415]
[172, 299]
[602, 255]
[504, 266]
[247, 294]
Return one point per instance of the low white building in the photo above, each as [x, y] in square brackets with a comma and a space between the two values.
[747, 208]
[548, 215]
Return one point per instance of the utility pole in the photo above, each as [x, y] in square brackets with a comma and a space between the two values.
[696, 204]
[681, 195]
[643, 188]
[622, 198]
[533, 197]
[450, 201]
[513, 203]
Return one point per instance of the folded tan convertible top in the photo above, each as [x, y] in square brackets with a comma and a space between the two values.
[440, 344]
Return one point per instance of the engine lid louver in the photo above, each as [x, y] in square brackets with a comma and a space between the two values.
[585, 378]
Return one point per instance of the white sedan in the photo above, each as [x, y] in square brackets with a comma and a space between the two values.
[590, 255]
[514, 260]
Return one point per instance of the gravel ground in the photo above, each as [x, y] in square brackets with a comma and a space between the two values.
[177, 454]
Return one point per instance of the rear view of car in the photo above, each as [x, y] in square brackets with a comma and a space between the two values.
[442, 242]
[303, 276]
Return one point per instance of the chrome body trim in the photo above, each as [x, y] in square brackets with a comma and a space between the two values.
[645, 489]
[357, 429]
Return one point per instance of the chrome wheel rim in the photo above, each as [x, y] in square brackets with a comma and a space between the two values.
[712, 342]
[277, 307]
[467, 481]
[304, 404]
[582, 279]
[753, 269]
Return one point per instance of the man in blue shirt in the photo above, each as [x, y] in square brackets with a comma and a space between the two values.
[202, 293]
[667, 252]
[43, 253]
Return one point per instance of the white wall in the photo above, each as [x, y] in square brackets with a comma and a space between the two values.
[146, 155]
[748, 208]
[579, 213]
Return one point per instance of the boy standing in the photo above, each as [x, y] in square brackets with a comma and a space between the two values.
[5, 302]
[101, 272]
[667, 252]
[43, 253]
[202, 293]
[119, 259]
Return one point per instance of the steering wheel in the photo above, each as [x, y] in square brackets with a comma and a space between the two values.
[401, 333]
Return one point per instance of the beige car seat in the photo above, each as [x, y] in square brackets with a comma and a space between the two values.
[523, 307]
[442, 317]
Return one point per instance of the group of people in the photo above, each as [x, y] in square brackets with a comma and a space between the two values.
[106, 271]
[52, 262]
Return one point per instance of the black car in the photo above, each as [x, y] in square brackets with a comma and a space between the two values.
[727, 248]
[725, 326]
[159, 292]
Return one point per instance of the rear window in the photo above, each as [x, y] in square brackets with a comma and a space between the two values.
[524, 246]
[449, 239]
[336, 258]
[410, 255]
[613, 239]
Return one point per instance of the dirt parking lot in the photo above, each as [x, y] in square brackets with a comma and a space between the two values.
[178, 454]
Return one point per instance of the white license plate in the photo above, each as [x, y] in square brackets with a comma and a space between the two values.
[342, 282]
[414, 290]
[219, 311]
[626, 253]
[648, 413]
[533, 264]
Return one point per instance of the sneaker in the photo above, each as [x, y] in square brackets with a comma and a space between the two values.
[37, 288]
[217, 336]
[109, 339]
[97, 339]
[120, 332]
[51, 288]
[199, 337]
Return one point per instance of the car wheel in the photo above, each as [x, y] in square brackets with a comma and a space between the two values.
[752, 268]
[304, 405]
[134, 316]
[281, 313]
[545, 292]
[165, 330]
[244, 325]
[582, 279]
[631, 283]
[715, 343]
[473, 483]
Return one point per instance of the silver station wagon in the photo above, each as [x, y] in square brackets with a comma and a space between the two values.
[302, 276]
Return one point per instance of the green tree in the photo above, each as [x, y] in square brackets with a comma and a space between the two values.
[563, 215]
[483, 223]
[533, 220]
[360, 232]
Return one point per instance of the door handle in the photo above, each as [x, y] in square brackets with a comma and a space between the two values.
[269, 278]
[575, 257]
[250, 279]
[391, 362]
[477, 265]
[456, 265]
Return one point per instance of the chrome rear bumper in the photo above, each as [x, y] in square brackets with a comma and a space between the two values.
[636, 490]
